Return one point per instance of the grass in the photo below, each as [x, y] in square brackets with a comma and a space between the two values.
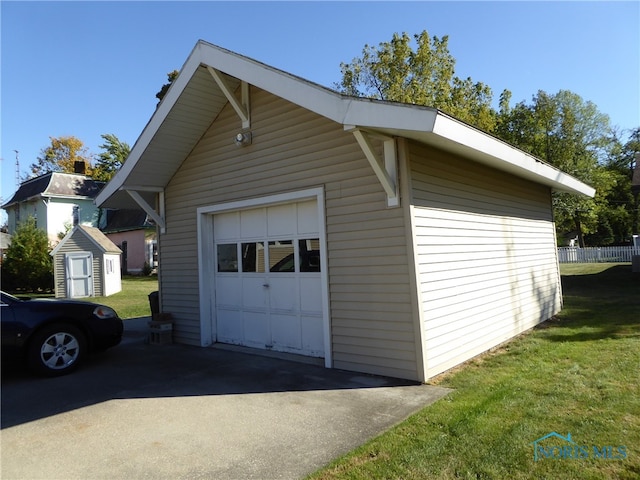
[577, 373]
[133, 300]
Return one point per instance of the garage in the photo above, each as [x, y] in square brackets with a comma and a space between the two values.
[384, 238]
[267, 287]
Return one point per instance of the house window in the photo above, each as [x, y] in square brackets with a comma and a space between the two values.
[76, 215]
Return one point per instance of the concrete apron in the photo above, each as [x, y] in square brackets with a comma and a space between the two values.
[144, 411]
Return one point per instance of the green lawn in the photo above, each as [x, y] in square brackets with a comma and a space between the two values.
[133, 300]
[578, 373]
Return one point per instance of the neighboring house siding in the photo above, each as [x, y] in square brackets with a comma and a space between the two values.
[136, 248]
[60, 215]
[77, 243]
[294, 149]
[486, 257]
[59, 219]
[54, 216]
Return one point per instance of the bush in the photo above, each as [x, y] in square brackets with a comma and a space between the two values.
[28, 265]
[146, 269]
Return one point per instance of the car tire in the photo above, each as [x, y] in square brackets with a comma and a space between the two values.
[56, 350]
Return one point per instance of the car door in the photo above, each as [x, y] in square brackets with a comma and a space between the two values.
[12, 331]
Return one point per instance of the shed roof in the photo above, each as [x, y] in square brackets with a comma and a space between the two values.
[99, 239]
[57, 185]
[194, 95]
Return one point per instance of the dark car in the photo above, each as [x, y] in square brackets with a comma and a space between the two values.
[54, 336]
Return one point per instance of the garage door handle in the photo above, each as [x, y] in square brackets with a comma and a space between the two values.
[265, 285]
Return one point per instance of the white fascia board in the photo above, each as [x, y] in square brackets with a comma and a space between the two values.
[376, 114]
[301, 92]
[505, 157]
[323, 101]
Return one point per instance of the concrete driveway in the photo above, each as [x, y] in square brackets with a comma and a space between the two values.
[144, 411]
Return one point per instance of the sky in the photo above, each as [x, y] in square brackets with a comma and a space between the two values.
[91, 68]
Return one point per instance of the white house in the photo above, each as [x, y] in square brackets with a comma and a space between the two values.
[57, 201]
[380, 237]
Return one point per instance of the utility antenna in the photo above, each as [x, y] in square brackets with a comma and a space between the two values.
[17, 168]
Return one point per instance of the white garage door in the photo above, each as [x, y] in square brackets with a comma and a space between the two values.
[268, 278]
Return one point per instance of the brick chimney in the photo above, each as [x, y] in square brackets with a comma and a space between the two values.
[79, 167]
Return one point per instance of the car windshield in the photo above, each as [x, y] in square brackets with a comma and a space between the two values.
[6, 298]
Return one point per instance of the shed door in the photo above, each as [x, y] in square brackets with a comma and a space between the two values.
[79, 274]
[268, 279]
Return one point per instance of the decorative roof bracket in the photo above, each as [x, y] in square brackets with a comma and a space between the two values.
[158, 217]
[386, 169]
[240, 106]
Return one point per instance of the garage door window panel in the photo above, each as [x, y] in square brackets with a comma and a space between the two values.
[281, 256]
[227, 257]
[309, 255]
[253, 257]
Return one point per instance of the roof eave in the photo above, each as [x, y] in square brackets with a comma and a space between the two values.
[420, 123]
[498, 154]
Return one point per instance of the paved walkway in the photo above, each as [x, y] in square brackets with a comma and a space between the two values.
[142, 411]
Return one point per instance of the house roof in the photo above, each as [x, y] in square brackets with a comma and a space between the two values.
[195, 99]
[125, 220]
[95, 235]
[56, 185]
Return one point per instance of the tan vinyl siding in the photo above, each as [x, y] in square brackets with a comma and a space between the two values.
[75, 244]
[293, 149]
[485, 248]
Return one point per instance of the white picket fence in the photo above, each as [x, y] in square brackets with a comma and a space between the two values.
[596, 254]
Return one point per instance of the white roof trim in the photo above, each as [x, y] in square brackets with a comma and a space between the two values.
[411, 121]
[503, 156]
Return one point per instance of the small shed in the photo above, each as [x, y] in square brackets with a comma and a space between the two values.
[86, 264]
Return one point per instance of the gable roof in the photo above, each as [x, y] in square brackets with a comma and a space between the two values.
[57, 185]
[194, 100]
[98, 238]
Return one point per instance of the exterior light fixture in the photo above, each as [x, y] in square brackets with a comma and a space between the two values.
[242, 139]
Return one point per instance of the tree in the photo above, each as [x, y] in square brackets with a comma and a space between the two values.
[572, 135]
[61, 156]
[623, 162]
[113, 156]
[394, 71]
[171, 76]
[28, 265]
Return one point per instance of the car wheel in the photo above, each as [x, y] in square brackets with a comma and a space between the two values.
[56, 350]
